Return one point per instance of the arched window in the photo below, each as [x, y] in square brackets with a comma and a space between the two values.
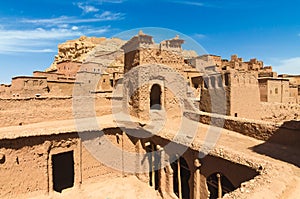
[155, 97]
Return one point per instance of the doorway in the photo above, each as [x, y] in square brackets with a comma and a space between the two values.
[63, 171]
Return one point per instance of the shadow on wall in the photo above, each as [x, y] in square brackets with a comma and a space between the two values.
[284, 144]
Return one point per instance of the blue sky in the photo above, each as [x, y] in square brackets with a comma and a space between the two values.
[30, 30]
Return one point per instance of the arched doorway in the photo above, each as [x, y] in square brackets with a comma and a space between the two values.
[181, 181]
[213, 185]
[155, 97]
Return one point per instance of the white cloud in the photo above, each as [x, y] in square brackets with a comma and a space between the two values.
[40, 40]
[108, 1]
[43, 35]
[105, 16]
[192, 3]
[198, 36]
[74, 28]
[87, 8]
[289, 66]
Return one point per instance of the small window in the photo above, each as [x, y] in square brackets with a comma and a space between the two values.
[276, 90]
[205, 82]
[227, 79]
[104, 80]
[235, 115]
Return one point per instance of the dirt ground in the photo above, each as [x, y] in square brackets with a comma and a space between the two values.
[110, 188]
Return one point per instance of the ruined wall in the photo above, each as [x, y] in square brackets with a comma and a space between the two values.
[32, 110]
[278, 112]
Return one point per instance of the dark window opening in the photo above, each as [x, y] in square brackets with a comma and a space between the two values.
[227, 79]
[63, 171]
[276, 90]
[111, 83]
[206, 83]
[155, 97]
[212, 184]
[235, 115]
[184, 178]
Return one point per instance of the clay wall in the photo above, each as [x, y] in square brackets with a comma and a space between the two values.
[61, 88]
[104, 83]
[5, 90]
[261, 130]
[263, 90]
[27, 163]
[69, 69]
[27, 166]
[282, 94]
[234, 94]
[15, 112]
[28, 86]
[244, 96]
[165, 57]
[50, 75]
[138, 86]
[293, 96]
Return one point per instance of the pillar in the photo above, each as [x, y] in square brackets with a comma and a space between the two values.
[219, 186]
[197, 187]
[152, 166]
[179, 178]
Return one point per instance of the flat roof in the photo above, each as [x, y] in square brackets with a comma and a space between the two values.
[272, 78]
[28, 77]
